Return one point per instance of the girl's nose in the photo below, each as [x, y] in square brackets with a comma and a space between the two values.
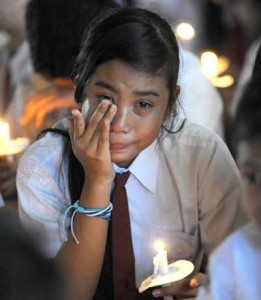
[120, 123]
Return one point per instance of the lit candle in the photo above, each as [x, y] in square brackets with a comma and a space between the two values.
[160, 263]
[164, 275]
[10, 146]
[4, 133]
[185, 31]
[213, 66]
[160, 260]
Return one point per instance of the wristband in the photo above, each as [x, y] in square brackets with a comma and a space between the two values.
[104, 213]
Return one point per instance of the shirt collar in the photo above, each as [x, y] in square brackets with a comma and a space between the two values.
[145, 167]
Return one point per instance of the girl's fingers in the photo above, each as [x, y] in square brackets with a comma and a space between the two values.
[198, 280]
[103, 143]
[79, 123]
[94, 138]
[97, 117]
[100, 138]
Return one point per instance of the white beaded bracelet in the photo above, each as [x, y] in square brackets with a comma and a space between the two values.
[104, 213]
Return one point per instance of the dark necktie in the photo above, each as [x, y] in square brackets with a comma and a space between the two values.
[122, 250]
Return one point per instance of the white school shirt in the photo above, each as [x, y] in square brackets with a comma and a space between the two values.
[235, 267]
[185, 193]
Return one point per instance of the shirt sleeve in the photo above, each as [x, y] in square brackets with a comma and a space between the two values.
[42, 197]
[220, 210]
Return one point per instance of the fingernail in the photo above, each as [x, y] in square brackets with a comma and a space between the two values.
[112, 108]
[104, 103]
[194, 283]
[156, 293]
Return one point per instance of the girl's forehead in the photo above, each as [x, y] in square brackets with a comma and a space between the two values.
[119, 72]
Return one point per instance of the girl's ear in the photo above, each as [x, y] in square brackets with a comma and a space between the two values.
[177, 91]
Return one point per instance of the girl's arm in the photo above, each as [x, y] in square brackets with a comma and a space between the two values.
[82, 262]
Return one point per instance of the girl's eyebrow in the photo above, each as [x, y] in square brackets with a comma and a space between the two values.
[149, 92]
[146, 93]
[106, 85]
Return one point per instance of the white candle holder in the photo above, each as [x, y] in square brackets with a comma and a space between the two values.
[176, 271]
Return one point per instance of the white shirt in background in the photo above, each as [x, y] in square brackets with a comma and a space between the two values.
[201, 103]
[235, 267]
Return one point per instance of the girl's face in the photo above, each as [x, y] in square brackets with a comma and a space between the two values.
[141, 101]
[249, 162]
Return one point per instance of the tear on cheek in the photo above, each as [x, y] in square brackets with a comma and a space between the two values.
[85, 108]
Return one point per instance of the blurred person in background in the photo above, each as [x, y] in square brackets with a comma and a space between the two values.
[238, 258]
[247, 13]
[243, 21]
[53, 33]
[12, 21]
[12, 30]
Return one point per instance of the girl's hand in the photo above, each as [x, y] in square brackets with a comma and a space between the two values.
[90, 143]
[186, 288]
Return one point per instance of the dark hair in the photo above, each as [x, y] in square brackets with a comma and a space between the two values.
[247, 124]
[24, 271]
[136, 36]
[54, 31]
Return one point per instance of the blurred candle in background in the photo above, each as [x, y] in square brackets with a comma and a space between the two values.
[4, 133]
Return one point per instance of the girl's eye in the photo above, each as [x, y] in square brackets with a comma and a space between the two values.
[105, 97]
[144, 105]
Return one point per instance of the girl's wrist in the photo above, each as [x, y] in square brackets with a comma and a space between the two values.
[96, 194]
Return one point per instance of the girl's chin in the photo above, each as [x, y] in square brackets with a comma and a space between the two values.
[121, 160]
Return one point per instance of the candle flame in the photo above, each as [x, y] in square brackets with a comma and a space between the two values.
[209, 63]
[159, 245]
[223, 81]
[4, 131]
[213, 66]
[223, 64]
[185, 31]
[10, 146]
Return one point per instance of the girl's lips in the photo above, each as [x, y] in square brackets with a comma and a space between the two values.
[117, 147]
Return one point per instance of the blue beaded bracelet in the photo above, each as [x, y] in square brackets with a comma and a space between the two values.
[104, 213]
